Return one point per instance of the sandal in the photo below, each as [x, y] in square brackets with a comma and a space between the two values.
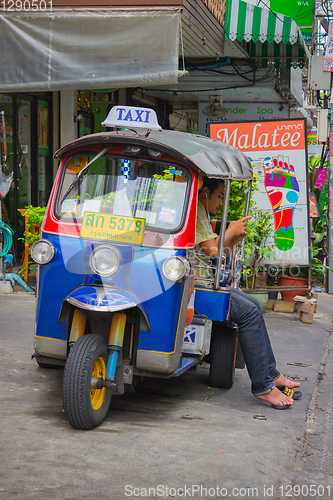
[281, 407]
[291, 393]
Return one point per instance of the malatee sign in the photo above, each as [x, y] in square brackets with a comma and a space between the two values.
[261, 136]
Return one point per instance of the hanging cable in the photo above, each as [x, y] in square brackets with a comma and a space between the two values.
[277, 14]
[181, 117]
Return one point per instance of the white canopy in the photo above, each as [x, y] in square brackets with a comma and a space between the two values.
[88, 49]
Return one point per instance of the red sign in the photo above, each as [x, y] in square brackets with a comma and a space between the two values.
[314, 212]
[261, 136]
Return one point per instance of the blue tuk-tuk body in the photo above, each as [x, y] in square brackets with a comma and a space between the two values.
[116, 294]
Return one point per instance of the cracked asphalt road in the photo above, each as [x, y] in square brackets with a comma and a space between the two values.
[174, 433]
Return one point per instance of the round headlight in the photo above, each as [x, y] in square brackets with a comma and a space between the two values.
[105, 260]
[176, 268]
[42, 251]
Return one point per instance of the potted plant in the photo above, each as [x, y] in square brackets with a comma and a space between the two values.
[296, 276]
[259, 229]
[293, 276]
[316, 164]
[257, 250]
[33, 217]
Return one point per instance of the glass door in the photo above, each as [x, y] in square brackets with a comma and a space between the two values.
[23, 161]
[43, 150]
[25, 151]
[6, 155]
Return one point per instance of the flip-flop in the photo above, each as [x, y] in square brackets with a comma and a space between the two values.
[281, 407]
[291, 393]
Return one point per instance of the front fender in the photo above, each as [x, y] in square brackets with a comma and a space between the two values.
[104, 299]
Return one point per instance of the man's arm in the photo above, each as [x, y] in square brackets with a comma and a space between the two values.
[235, 233]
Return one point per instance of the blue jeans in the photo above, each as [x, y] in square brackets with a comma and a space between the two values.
[254, 341]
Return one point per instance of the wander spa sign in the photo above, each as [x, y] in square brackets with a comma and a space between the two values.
[277, 150]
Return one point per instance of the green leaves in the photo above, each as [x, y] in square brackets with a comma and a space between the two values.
[314, 169]
[259, 229]
[33, 220]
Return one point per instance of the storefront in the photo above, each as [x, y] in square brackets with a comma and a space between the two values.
[59, 52]
[26, 150]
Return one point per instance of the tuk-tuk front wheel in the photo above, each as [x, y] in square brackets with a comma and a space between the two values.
[84, 405]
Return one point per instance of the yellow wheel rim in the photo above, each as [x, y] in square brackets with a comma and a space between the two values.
[97, 395]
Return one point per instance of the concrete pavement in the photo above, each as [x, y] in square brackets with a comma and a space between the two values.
[178, 437]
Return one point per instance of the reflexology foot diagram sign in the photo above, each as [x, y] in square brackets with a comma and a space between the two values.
[277, 150]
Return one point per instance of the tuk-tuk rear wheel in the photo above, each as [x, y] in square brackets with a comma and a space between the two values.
[86, 406]
[222, 357]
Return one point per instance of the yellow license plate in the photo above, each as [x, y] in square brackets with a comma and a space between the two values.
[97, 226]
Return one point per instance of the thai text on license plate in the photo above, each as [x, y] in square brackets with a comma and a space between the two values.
[97, 226]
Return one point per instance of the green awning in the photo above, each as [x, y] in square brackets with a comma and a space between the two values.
[273, 36]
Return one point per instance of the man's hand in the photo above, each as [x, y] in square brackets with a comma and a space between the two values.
[237, 230]
[235, 233]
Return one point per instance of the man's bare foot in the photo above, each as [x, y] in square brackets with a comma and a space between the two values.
[283, 381]
[276, 397]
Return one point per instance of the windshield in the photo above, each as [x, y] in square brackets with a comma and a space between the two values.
[152, 191]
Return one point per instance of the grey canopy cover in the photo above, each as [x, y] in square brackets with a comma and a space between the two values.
[213, 158]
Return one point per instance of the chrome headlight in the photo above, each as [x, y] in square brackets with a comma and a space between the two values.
[42, 251]
[176, 268]
[105, 260]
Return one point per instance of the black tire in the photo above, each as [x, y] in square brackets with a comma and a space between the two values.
[222, 357]
[45, 362]
[48, 365]
[86, 408]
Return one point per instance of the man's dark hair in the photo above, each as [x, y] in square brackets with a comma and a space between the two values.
[211, 184]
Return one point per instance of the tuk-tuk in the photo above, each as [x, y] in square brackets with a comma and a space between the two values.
[116, 293]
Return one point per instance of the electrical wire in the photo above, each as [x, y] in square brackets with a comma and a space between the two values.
[213, 69]
[243, 76]
[269, 76]
[181, 117]
[198, 90]
[276, 15]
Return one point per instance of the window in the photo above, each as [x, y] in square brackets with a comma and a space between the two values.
[153, 191]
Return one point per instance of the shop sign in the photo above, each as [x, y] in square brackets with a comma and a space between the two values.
[300, 11]
[236, 111]
[314, 146]
[314, 210]
[328, 63]
[277, 150]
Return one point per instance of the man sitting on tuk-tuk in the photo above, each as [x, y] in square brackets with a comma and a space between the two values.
[267, 382]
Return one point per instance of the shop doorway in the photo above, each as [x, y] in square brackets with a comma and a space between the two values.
[25, 137]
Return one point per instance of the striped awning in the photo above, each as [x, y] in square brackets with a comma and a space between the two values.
[279, 36]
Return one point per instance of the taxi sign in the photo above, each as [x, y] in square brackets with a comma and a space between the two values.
[133, 117]
[108, 227]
